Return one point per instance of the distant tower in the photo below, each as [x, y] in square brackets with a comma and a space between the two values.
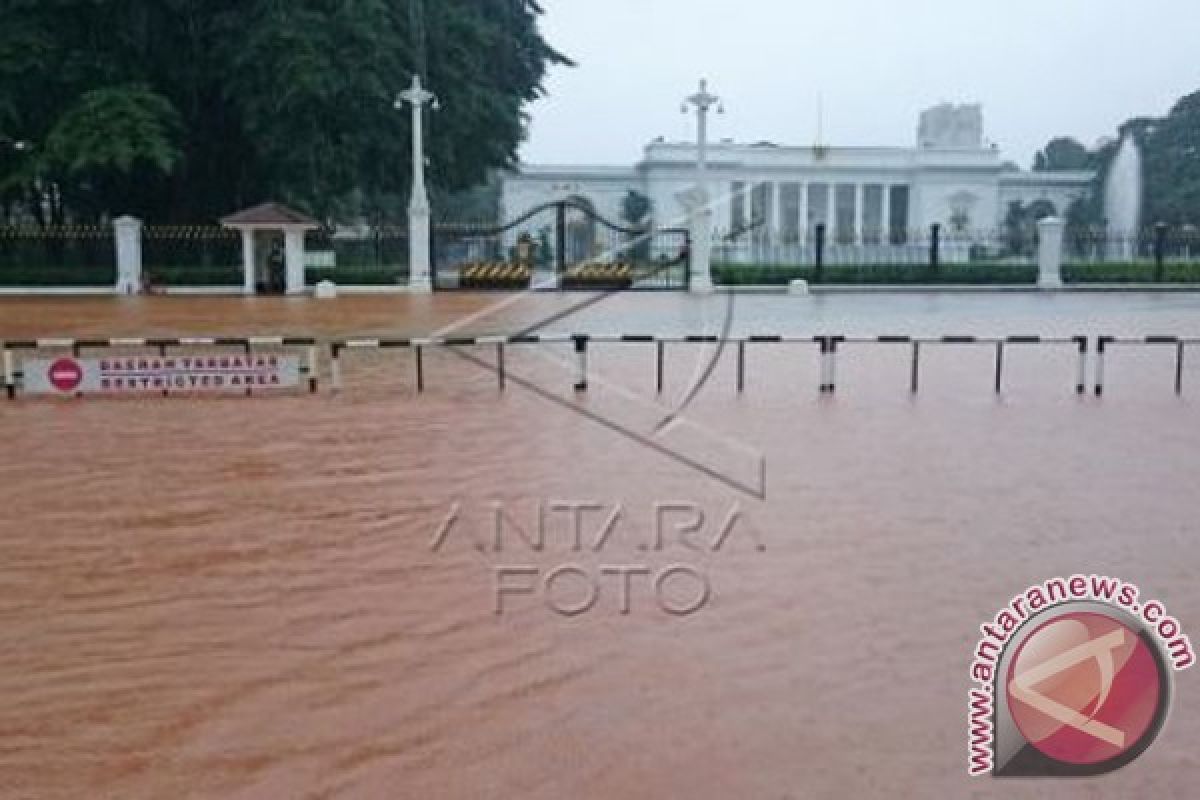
[951, 127]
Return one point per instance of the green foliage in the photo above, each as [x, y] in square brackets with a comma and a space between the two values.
[544, 255]
[952, 274]
[57, 257]
[1141, 272]
[358, 275]
[241, 101]
[1020, 225]
[192, 275]
[875, 274]
[1170, 160]
[635, 207]
[86, 275]
[115, 130]
[478, 205]
[1063, 153]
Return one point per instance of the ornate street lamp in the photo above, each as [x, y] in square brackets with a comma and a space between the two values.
[697, 200]
[418, 206]
[702, 101]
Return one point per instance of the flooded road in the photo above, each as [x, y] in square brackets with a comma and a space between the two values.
[297, 596]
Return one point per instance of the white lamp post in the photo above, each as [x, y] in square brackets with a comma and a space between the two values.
[698, 201]
[418, 206]
[702, 101]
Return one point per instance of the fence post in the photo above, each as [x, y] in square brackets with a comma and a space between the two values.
[1101, 346]
[293, 259]
[127, 232]
[741, 365]
[819, 272]
[1050, 252]
[1160, 250]
[581, 350]
[560, 240]
[823, 341]
[915, 377]
[1081, 380]
[695, 202]
[935, 246]
[249, 268]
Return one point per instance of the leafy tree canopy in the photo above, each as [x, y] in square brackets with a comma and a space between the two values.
[1062, 153]
[1170, 162]
[183, 110]
[635, 207]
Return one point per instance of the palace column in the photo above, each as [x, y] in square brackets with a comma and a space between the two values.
[776, 215]
[858, 213]
[885, 222]
[830, 211]
[803, 213]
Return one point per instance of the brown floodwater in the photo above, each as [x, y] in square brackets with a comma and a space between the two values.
[295, 596]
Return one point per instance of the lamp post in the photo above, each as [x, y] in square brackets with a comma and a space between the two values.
[418, 206]
[703, 101]
[697, 200]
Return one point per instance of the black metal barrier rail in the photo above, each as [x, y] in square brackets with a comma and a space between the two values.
[829, 348]
[828, 345]
[1106, 343]
[13, 374]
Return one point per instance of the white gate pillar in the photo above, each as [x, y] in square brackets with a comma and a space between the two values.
[293, 259]
[1050, 252]
[248, 276]
[419, 267]
[127, 232]
[700, 225]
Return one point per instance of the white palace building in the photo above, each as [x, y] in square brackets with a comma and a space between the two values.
[779, 194]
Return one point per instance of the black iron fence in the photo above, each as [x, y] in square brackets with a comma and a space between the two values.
[375, 256]
[566, 245]
[925, 256]
[1159, 254]
[76, 255]
[191, 256]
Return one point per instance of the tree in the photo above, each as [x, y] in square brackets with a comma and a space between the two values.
[1170, 162]
[113, 142]
[1063, 153]
[635, 207]
[1020, 224]
[223, 103]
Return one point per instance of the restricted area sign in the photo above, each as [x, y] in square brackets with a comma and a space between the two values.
[202, 372]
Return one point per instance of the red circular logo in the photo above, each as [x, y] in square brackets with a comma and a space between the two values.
[1084, 688]
[65, 374]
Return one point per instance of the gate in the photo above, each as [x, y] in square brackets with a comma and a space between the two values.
[560, 246]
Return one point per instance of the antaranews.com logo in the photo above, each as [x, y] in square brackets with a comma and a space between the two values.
[1073, 678]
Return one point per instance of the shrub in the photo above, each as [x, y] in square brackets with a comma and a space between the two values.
[1140, 272]
[192, 276]
[49, 276]
[357, 276]
[875, 274]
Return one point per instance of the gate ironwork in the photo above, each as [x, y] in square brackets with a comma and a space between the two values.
[564, 245]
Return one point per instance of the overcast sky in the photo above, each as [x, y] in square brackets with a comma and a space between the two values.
[1039, 67]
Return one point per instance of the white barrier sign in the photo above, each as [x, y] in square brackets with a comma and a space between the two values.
[202, 372]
